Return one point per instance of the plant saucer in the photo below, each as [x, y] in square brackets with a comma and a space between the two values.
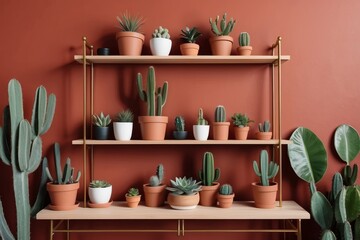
[99, 205]
[63, 208]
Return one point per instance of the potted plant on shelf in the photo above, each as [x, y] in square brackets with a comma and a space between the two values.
[264, 131]
[225, 196]
[160, 44]
[133, 197]
[264, 192]
[190, 36]
[130, 41]
[202, 128]
[208, 176]
[179, 132]
[221, 43]
[100, 193]
[123, 126]
[184, 193]
[62, 189]
[153, 126]
[101, 126]
[220, 126]
[154, 191]
[244, 44]
[241, 125]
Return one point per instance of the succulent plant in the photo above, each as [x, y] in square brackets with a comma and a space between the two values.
[152, 96]
[244, 39]
[350, 175]
[201, 120]
[179, 123]
[184, 186]
[226, 189]
[264, 127]
[220, 114]
[208, 175]
[157, 179]
[125, 116]
[190, 35]
[225, 28]
[99, 184]
[132, 192]
[267, 169]
[101, 120]
[128, 23]
[161, 32]
[241, 120]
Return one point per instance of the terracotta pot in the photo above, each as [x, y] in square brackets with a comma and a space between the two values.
[189, 49]
[132, 201]
[100, 195]
[264, 196]
[62, 196]
[183, 202]
[221, 130]
[221, 45]
[241, 133]
[208, 194]
[225, 201]
[130, 43]
[263, 135]
[154, 196]
[245, 50]
[153, 127]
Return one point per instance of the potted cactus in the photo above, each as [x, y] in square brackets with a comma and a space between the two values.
[189, 37]
[220, 126]
[62, 189]
[133, 197]
[100, 193]
[241, 125]
[264, 192]
[264, 131]
[160, 44]
[244, 44]
[123, 125]
[153, 125]
[225, 196]
[184, 193]
[221, 43]
[179, 132]
[202, 128]
[130, 41]
[101, 126]
[208, 176]
[154, 191]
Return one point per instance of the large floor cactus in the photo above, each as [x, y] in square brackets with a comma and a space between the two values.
[21, 146]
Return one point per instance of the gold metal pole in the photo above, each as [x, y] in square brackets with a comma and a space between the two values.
[91, 113]
[84, 118]
[279, 120]
[68, 229]
[183, 227]
[299, 235]
[51, 229]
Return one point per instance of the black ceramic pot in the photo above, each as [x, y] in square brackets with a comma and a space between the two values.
[101, 133]
[103, 51]
[180, 135]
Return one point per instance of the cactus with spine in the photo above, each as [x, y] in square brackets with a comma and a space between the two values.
[156, 180]
[244, 39]
[226, 189]
[208, 175]
[161, 32]
[264, 127]
[267, 169]
[21, 148]
[201, 120]
[220, 114]
[152, 96]
[179, 123]
[225, 28]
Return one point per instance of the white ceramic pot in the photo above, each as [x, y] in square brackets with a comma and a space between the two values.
[201, 132]
[160, 46]
[123, 130]
[100, 195]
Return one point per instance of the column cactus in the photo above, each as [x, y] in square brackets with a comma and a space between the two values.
[21, 145]
[157, 179]
[220, 114]
[267, 169]
[208, 175]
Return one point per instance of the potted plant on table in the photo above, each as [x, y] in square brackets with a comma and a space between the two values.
[225, 196]
[220, 126]
[101, 126]
[221, 43]
[62, 189]
[100, 193]
[202, 128]
[130, 41]
[153, 126]
[244, 44]
[154, 191]
[133, 197]
[123, 125]
[184, 193]
[264, 131]
[190, 36]
[160, 44]
[208, 176]
[241, 125]
[179, 132]
[264, 192]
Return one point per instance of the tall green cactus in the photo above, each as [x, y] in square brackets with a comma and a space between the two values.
[208, 175]
[268, 169]
[157, 179]
[224, 28]
[152, 96]
[220, 114]
[201, 120]
[21, 145]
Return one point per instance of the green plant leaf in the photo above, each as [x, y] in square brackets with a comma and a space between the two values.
[328, 235]
[352, 203]
[347, 143]
[321, 210]
[307, 155]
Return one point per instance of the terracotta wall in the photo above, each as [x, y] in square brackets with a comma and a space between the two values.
[320, 88]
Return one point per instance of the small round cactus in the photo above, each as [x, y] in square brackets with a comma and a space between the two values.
[226, 189]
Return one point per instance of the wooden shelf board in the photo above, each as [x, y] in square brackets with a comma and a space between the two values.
[178, 59]
[119, 211]
[181, 142]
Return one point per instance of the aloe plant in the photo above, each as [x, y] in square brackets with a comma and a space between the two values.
[241, 120]
[190, 35]
[129, 23]
[101, 120]
[125, 116]
[225, 27]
